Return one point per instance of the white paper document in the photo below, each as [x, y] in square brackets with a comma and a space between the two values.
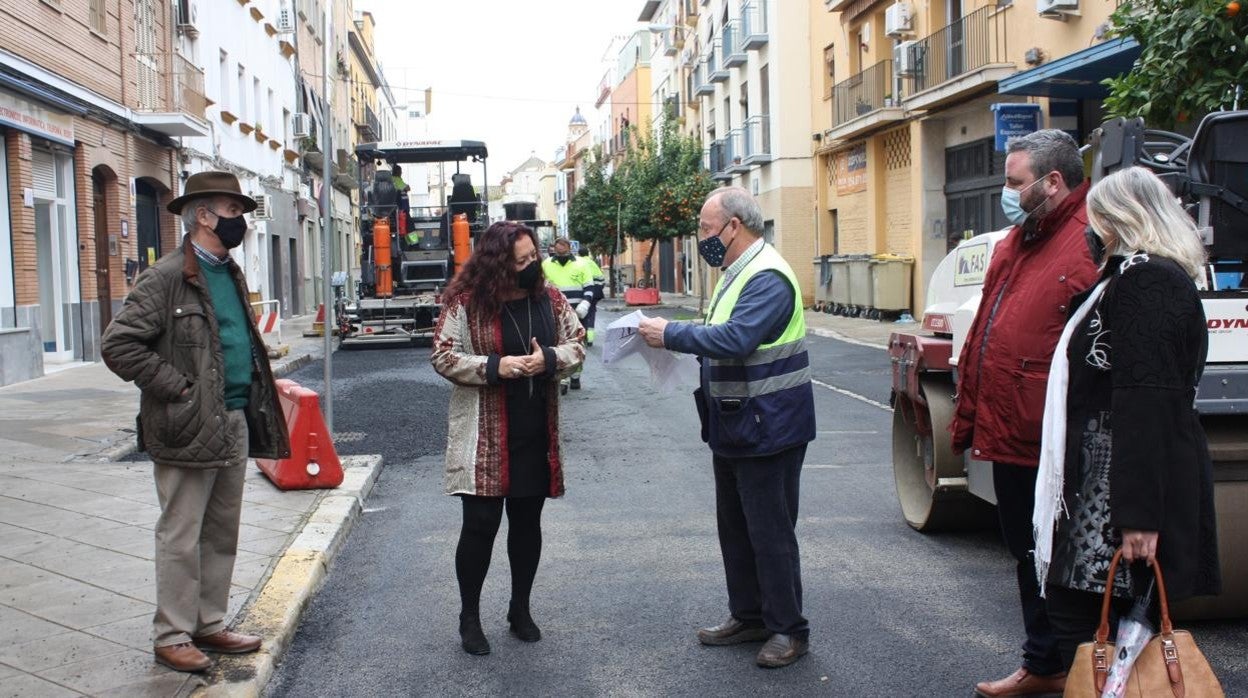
[669, 370]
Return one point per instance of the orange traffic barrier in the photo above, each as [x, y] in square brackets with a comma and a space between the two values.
[313, 462]
[641, 296]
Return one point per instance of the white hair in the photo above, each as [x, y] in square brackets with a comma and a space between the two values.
[737, 202]
[191, 208]
[1142, 215]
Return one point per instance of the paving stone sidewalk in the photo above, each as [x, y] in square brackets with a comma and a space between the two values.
[77, 580]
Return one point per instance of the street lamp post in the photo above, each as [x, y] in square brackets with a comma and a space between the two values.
[327, 213]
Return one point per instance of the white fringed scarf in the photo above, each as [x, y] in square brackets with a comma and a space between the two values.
[1049, 505]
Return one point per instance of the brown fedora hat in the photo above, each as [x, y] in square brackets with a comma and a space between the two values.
[212, 184]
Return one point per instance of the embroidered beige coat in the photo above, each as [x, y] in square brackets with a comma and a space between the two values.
[466, 351]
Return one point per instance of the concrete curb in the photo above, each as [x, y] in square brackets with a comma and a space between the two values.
[128, 446]
[275, 611]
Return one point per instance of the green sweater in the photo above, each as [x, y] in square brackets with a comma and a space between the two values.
[232, 323]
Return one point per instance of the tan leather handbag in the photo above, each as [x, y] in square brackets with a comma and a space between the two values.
[1170, 663]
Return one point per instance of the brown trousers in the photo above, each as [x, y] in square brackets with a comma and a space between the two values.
[197, 541]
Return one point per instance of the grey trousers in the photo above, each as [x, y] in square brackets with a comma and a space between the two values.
[196, 542]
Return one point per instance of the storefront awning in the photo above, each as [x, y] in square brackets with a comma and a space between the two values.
[1077, 76]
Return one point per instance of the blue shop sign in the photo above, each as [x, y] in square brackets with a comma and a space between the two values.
[1014, 120]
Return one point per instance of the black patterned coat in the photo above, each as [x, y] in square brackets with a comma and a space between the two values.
[1136, 456]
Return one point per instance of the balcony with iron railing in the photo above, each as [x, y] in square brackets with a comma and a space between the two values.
[754, 24]
[756, 139]
[715, 69]
[721, 160]
[864, 102]
[733, 52]
[369, 128]
[966, 56]
[179, 112]
[188, 91]
[701, 83]
[736, 152]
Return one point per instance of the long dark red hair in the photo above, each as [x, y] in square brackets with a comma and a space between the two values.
[491, 270]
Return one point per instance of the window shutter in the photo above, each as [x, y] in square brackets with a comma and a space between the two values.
[43, 171]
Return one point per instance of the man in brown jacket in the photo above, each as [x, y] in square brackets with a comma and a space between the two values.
[185, 336]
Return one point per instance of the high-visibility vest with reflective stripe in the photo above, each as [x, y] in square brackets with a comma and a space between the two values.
[593, 272]
[569, 278]
[764, 403]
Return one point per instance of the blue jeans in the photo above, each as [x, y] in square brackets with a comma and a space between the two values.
[756, 509]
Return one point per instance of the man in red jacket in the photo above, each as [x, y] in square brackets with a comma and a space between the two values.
[1004, 366]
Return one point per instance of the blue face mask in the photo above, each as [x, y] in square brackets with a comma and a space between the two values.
[1012, 203]
[713, 249]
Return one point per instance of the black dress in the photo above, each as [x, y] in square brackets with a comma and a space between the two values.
[528, 430]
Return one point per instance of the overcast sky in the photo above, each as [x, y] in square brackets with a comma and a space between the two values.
[506, 72]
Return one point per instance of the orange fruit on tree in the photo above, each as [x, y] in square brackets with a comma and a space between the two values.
[1232, 8]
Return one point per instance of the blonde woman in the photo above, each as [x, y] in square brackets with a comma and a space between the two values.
[1123, 457]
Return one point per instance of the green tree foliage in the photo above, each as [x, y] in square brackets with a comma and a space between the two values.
[663, 183]
[1192, 61]
[594, 205]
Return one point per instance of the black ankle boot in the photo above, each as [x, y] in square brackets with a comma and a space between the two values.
[471, 636]
[522, 625]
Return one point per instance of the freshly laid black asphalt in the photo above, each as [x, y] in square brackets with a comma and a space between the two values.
[631, 563]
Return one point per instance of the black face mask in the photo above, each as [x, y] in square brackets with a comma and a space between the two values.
[1096, 246]
[563, 258]
[528, 277]
[230, 230]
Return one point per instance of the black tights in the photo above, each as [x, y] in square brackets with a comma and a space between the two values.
[482, 515]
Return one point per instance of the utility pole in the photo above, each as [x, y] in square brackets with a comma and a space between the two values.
[327, 213]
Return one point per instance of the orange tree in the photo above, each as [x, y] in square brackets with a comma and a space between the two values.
[594, 209]
[1192, 62]
[662, 184]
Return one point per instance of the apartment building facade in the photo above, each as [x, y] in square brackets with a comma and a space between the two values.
[752, 68]
[93, 97]
[247, 54]
[909, 113]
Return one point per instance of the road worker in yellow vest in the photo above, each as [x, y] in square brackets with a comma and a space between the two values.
[564, 272]
[757, 408]
[597, 281]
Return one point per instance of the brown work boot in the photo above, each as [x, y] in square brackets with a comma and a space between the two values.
[229, 642]
[182, 657]
[732, 632]
[1022, 683]
[781, 650]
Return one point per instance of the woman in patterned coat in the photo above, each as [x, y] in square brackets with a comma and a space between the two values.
[504, 338]
[1127, 464]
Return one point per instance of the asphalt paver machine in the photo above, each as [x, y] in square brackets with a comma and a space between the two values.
[938, 490]
[409, 253]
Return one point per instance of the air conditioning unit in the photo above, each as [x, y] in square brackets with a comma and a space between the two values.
[1057, 7]
[264, 207]
[188, 17]
[300, 125]
[907, 58]
[899, 20]
[285, 19]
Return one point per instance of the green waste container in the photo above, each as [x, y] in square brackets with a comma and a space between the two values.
[838, 284]
[891, 283]
[861, 293]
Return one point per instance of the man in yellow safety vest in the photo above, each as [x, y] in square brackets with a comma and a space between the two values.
[565, 273]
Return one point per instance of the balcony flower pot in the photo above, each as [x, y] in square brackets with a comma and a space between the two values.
[275, 144]
[246, 128]
[888, 101]
[259, 134]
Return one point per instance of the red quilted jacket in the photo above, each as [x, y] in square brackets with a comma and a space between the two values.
[1004, 365]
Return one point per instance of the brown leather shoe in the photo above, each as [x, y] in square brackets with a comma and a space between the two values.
[229, 642]
[1022, 683]
[732, 632]
[781, 650]
[182, 657]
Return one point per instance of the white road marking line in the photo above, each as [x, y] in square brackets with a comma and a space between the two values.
[833, 334]
[373, 510]
[856, 396]
[848, 431]
[821, 466]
